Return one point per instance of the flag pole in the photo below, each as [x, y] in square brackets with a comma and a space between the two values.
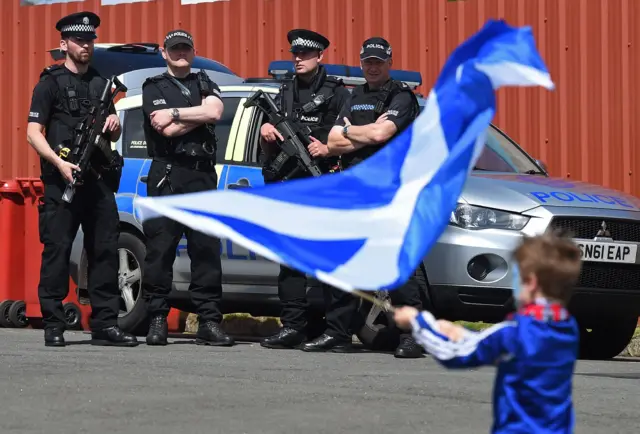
[384, 305]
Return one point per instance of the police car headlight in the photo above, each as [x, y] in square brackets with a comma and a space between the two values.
[475, 217]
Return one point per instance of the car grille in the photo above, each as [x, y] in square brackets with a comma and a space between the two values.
[598, 275]
[609, 276]
[620, 230]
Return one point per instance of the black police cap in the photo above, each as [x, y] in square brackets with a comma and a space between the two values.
[375, 47]
[80, 24]
[305, 40]
[179, 36]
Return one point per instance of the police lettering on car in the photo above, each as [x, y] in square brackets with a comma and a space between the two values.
[60, 101]
[180, 110]
[379, 110]
[312, 99]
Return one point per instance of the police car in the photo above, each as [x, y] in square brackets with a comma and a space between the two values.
[466, 276]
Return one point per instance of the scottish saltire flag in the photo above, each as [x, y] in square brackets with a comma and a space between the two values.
[369, 227]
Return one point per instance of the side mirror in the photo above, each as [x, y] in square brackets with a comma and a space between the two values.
[542, 165]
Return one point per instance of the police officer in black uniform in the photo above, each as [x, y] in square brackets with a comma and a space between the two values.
[313, 99]
[379, 110]
[180, 109]
[60, 101]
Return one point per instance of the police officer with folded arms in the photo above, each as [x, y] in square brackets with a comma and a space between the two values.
[60, 101]
[180, 110]
[379, 110]
[312, 99]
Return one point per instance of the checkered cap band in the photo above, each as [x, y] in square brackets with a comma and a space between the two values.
[308, 43]
[78, 28]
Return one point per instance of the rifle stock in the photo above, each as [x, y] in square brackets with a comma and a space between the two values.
[89, 137]
[296, 138]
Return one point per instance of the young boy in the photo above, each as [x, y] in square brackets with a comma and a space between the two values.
[535, 349]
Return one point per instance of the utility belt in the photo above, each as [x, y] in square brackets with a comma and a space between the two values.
[192, 163]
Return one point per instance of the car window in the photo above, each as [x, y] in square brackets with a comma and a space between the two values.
[254, 154]
[223, 126]
[134, 144]
[501, 155]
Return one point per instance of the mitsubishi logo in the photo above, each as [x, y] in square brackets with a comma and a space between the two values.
[603, 232]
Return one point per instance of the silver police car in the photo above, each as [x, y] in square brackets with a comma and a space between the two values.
[466, 276]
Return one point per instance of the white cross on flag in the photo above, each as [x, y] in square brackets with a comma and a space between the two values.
[369, 227]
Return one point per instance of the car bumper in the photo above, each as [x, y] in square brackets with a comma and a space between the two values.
[470, 277]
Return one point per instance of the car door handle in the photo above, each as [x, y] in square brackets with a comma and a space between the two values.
[242, 183]
[144, 179]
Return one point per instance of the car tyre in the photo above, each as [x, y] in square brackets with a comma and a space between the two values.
[607, 339]
[131, 254]
[375, 333]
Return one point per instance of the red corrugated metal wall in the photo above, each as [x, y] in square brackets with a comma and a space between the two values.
[585, 129]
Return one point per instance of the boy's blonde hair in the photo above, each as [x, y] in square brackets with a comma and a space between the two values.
[554, 259]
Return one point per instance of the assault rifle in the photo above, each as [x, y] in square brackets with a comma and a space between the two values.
[89, 139]
[296, 140]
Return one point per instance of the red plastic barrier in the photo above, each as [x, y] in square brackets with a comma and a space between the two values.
[21, 255]
[11, 246]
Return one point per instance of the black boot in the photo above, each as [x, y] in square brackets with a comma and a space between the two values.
[210, 333]
[53, 337]
[158, 331]
[285, 339]
[408, 349]
[113, 337]
[328, 343]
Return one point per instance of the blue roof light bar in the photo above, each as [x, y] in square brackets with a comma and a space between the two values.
[351, 75]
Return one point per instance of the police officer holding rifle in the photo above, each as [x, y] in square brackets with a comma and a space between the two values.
[312, 100]
[71, 125]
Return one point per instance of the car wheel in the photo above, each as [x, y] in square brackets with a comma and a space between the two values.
[607, 339]
[133, 309]
[376, 334]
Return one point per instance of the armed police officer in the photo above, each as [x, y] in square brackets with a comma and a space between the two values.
[180, 110]
[379, 110]
[312, 99]
[60, 102]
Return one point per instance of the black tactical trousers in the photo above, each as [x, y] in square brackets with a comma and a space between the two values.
[93, 207]
[343, 318]
[163, 236]
[292, 291]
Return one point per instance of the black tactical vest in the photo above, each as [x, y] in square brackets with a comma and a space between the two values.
[75, 93]
[198, 144]
[367, 106]
[319, 112]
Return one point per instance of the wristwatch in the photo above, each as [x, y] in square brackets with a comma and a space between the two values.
[345, 130]
[175, 114]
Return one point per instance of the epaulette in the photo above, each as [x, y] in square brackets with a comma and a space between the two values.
[51, 70]
[154, 79]
[335, 80]
[401, 84]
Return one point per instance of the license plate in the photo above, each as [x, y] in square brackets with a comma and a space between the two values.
[597, 251]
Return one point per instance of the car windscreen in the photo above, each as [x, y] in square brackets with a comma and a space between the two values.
[501, 155]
